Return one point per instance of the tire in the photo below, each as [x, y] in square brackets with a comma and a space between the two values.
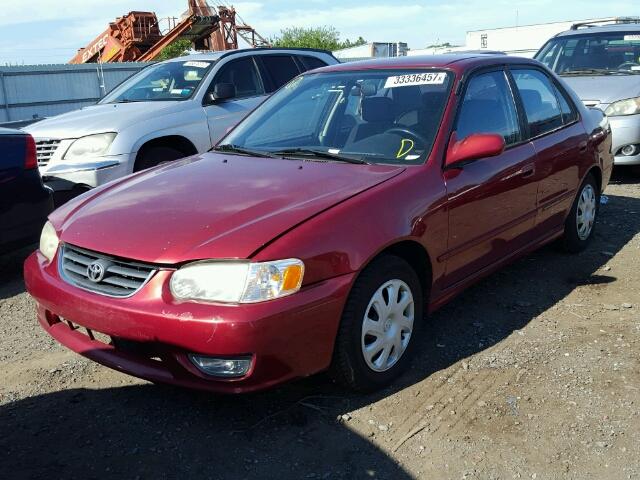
[578, 229]
[152, 156]
[349, 366]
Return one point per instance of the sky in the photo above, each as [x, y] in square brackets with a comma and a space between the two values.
[50, 31]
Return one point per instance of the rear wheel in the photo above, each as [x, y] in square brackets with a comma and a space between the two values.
[581, 222]
[152, 156]
[379, 326]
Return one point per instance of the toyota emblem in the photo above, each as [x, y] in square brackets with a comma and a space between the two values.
[95, 272]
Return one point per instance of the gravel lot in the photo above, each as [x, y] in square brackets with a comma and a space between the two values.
[533, 373]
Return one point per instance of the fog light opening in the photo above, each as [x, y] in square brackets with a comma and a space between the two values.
[222, 367]
[629, 150]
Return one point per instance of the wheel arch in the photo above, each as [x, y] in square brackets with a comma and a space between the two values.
[177, 142]
[597, 174]
[418, 258]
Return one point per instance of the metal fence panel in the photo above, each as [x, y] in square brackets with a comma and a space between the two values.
[46, 90]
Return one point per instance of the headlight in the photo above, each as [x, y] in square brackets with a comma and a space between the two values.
[237, 282]
[91, 145]
[49, 241]
[630, 106]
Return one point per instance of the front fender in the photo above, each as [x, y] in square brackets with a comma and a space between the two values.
[190, 124]
[346, 237]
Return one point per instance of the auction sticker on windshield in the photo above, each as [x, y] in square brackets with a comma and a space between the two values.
[431, 78]
[197, 64]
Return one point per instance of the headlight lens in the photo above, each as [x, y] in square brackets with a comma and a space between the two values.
[49, 241]
[237, 282]
[630, 106]
[91, 145]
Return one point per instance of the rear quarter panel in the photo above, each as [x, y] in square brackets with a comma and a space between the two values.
[597, 126]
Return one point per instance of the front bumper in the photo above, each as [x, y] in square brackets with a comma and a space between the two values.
[63, 176]
[287, 338]
[625, 131]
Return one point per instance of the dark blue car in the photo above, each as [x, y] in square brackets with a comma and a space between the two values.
[25, 202]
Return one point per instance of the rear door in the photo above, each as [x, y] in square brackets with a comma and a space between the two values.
[559, 139]
[250, 92]
[491, 200]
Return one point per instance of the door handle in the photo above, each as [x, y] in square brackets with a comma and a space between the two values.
[527, 171]
[583, 147]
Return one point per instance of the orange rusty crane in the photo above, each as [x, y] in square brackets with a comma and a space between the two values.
[137, 36]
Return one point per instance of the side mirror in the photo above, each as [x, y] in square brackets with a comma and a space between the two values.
[477, 145]
[223, 91]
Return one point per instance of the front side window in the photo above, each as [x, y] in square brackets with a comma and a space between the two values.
[609, 53]
[161, 82]
[242, 74]
[386, 116]
[488, 107]
[539, 100]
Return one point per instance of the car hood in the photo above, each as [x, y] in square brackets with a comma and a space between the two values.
[111, 117]
[605, 89]
[209, 206]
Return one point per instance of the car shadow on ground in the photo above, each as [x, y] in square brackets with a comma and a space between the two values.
[292, 431]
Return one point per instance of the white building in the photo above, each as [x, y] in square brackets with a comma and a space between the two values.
[373, 50]
[523, 40]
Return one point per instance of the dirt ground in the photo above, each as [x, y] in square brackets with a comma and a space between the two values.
[532, 373]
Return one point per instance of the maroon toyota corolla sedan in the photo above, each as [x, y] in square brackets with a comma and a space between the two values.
[326, 226]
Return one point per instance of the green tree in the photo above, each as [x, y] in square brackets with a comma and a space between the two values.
[327, 38]
[175, 49]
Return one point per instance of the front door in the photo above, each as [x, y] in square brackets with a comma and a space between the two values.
[222, 115]
[492, 201]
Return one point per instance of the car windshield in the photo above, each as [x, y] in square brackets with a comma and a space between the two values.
[596, 54]
[373, 116]
[164, 81]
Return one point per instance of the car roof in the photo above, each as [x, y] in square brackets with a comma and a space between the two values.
[460, 61]
[613, 28]
[259, 50]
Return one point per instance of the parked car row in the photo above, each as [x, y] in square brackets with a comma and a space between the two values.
[167, 111]
[601, 63]
[322, 228]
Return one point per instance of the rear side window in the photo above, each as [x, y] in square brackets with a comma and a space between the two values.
[310, 63]
[488, 107]
[243, 74]
[539, 100]
[569, 114]
[281, 68]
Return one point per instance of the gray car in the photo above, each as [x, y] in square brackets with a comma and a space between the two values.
[602, 64]
[166, 111]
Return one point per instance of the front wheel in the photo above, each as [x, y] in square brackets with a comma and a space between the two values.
[379, 326]
[581, 222]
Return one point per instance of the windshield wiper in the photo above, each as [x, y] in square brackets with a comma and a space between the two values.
[310, 152]
[127, 100]
[229, 148]
[589, 71]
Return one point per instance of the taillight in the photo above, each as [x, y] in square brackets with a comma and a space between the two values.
[30, 160]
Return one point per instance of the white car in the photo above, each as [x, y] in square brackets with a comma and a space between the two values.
[166, 111]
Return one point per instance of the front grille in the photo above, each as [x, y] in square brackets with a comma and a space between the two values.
[119, 278]
[45, 150]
